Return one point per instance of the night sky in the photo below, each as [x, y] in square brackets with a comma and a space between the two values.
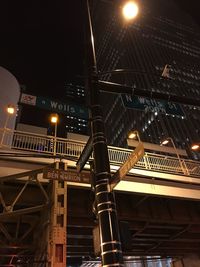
[42, 42]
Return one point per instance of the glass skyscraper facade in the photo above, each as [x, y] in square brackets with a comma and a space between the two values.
[160, 52]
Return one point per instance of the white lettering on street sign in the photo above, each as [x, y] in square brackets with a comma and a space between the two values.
[69, 176]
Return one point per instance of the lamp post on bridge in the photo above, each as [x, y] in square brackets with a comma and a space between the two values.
[111, 252]
[54, 120]
[134, 134]
[165, 142]
[10, 111]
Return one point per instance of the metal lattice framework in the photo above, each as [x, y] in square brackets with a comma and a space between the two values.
[157, 225]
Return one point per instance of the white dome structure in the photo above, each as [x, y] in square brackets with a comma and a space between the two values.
[9, 95]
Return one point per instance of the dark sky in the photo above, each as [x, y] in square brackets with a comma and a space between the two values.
[41, 42]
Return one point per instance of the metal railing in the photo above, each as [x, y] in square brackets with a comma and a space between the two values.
[117, 155]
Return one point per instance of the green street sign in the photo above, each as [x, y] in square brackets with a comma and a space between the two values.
[152, 105]
[67, 108]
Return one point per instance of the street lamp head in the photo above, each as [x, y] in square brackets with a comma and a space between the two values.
[130, 10]
[195, 146]
[134, 135]
[54, 118]
[165, 142]
[10, 109]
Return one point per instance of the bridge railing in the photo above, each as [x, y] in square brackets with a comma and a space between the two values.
[73, 148]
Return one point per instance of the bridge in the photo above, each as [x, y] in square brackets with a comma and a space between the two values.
[158, 200]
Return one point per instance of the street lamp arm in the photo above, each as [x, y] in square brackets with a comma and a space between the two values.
[124, 89]
[119, 71]
[91, 47]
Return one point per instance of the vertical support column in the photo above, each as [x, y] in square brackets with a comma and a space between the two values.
[58, 225]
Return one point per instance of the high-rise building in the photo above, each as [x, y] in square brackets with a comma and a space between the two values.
[160, 51]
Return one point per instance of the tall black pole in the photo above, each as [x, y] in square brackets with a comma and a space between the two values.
[111, 253]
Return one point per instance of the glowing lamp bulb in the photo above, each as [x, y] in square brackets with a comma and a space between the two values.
[132, 135]
[195, 147]
[10, 109]
[54, 119]
[165, 142]
[130, 10]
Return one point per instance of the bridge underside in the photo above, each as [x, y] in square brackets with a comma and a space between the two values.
[158, 225]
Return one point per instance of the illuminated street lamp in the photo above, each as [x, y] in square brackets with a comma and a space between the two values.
[130, 10]
[134, 135]
[195, 147]
[10, 110]
[54, 120]
[165, 142]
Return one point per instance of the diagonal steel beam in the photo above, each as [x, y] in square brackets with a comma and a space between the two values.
[5, 232]
[23, 211]
[23, 174]
[42, 190]
[30, 229]
[20, 193]
[2, 201]
[17, 228]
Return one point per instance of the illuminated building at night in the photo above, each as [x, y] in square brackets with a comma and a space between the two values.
[160, 51]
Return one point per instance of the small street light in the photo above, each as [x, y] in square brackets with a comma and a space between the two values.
[130, 10]
[10, 111]
[165, 142]
[54, 120]
[195, 147]
[134, 135]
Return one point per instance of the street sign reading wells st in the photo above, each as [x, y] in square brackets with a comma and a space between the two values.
[67, 108]
[152, 105]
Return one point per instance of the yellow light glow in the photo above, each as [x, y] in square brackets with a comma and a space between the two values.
[54, 118]
[132, 135]
[195, 147]
[130, 10]
[10, 109]
[165, 142]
